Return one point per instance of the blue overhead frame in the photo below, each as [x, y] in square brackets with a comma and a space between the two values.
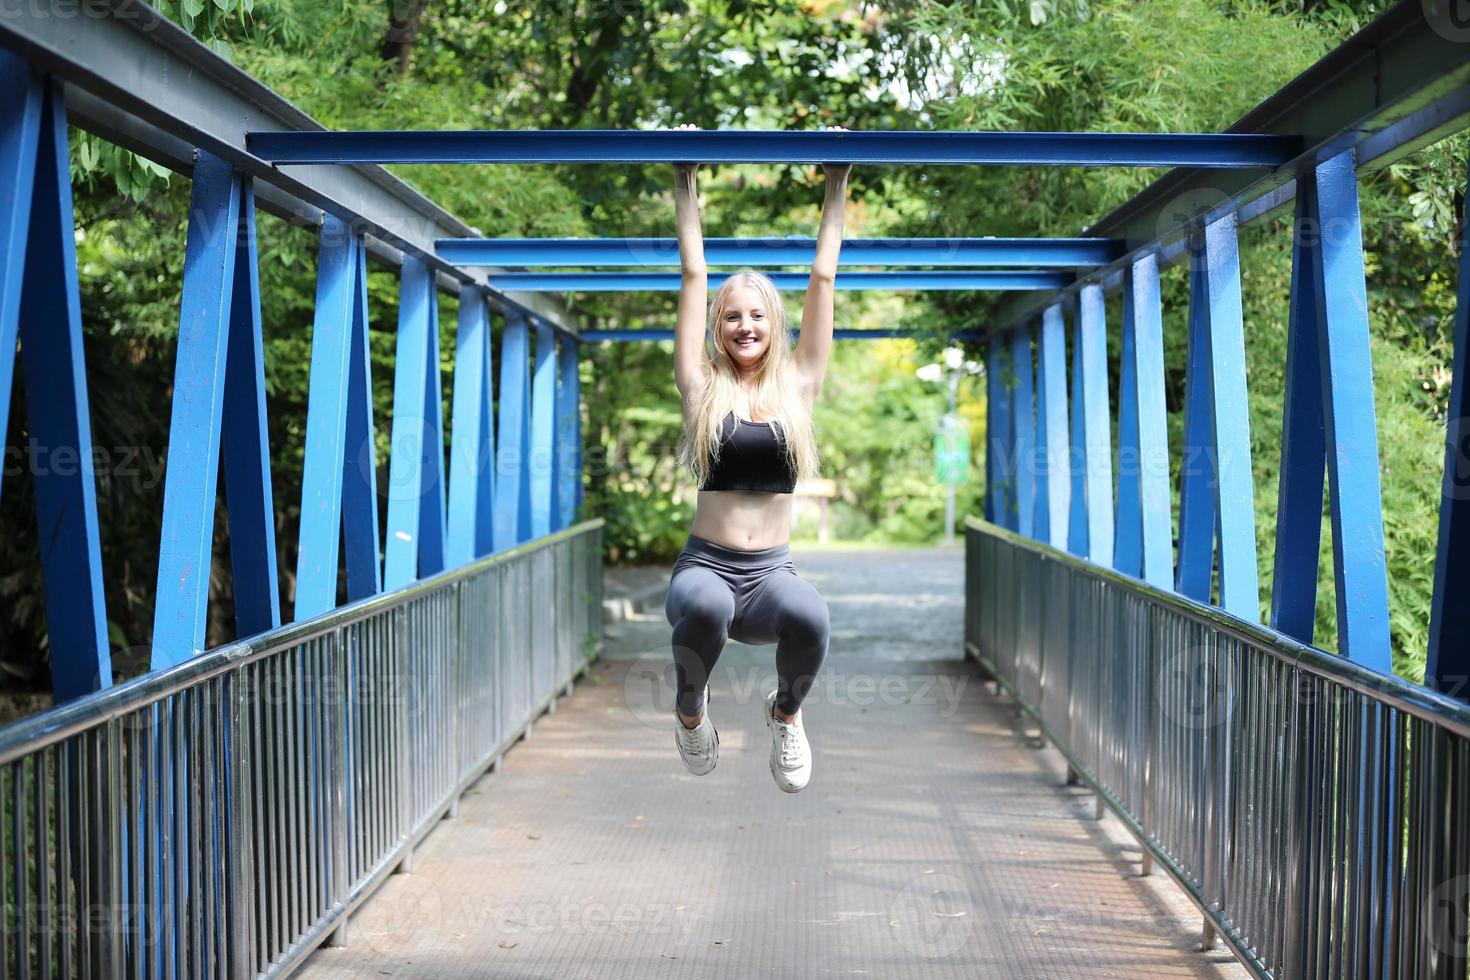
[669, 282]
[40, 307]
[1227, 150]
[1052, 253]
[841, 333]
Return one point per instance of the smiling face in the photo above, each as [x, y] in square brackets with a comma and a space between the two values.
[743, 327]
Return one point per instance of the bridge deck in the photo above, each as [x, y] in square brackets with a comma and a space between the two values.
[936, 839]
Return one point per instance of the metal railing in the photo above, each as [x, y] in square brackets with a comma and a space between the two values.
[224, 817]
[1313, 810]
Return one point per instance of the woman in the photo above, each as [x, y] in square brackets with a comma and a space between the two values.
[747, 399]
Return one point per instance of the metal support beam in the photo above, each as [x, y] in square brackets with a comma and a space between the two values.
[1448, 665]
[1077, 456]
[669, 282]
[415, 546]
[1023, 431]
[543, 433]
[470, 532]
[568, 436]
[999, 495]
[1051, 387]
[218, 411]
[1097, 458]
[733, 146]
[512, 474]
[1055, 253]
[1156, 526]
[40, 306]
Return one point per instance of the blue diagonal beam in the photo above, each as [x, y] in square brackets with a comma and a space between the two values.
[38, 248]
[733, 146]
[668, 282]
[1052, 435]
[1056, 253]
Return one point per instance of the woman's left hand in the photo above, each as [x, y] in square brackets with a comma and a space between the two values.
[836, 171]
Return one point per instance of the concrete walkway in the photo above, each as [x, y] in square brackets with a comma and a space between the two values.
[935, 839]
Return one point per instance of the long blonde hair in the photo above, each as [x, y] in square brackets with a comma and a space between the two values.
[776, 396]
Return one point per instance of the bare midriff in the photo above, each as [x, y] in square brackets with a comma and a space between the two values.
[746, 520]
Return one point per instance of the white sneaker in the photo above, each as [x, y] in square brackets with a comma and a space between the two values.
[791, 756]
[699, 746]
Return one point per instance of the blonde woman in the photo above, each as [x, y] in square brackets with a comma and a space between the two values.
[747, 398]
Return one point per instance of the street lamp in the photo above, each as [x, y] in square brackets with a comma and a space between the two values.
[951, 442]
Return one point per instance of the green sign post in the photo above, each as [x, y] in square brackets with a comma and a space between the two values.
[951, 451]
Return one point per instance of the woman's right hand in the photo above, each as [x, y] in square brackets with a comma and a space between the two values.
[684, 169]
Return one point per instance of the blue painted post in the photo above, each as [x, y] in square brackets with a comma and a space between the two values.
[1153, 424]
[360, 537]
[1235, 495]
[326, 420]
[40, 264]
[1448, 665]
[472, 447]
[1195, 572]
[512, 474]
[415, 509]
[1303, 439]
[1051, 370]
[1128, 522]
[543, 432]
[993, 394]
[1351, 423]
[1023, 431]
[1077, 455]
[569, 434]
[1096, 421]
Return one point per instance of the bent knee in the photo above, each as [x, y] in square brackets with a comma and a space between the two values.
[807, 620]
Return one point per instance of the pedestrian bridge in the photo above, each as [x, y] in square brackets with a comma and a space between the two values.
[1075, 750]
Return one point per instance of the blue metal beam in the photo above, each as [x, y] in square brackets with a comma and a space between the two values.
[472, 445]
[1055, 253]
[841, 333]
[1153, 428]
[1195, 573]
[1448, 665]
[669, 282]
[1051, 387]
[568, 435]
[1023, 430]
[363, 555]
[1097, 458]
[733, 146]
[415, 547]
[40, 305]
[512, 474]
[1077, 455]
[543, 432]
[999, 484]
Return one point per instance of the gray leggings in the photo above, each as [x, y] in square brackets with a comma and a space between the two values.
[754, 596]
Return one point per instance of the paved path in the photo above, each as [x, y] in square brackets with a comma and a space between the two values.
[935, 840]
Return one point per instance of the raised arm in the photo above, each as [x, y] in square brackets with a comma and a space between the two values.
[689, 328]
[814, 347]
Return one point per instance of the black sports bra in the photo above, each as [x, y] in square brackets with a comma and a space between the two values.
[752, 457]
